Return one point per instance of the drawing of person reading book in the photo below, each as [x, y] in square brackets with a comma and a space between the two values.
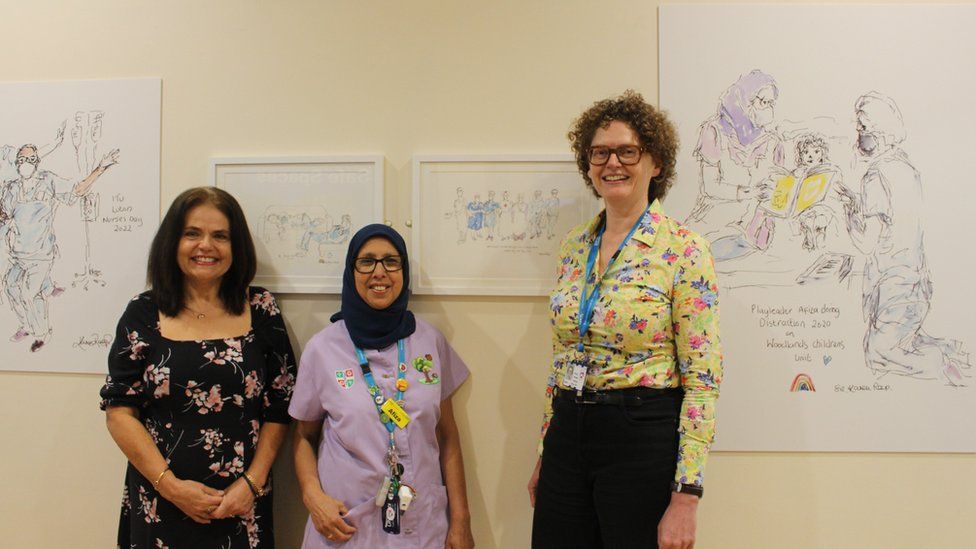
[737, 148]
[808, 197]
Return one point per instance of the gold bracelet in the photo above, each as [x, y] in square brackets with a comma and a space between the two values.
[258, 490]
[159, 478]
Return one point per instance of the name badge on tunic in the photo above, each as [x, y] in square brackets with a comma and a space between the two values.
[575, 376]
[395, 413]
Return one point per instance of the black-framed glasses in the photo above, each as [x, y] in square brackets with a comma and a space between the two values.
[32, 159]
[628, 155]
[367, 265]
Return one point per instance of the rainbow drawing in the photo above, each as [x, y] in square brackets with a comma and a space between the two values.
[802, 382]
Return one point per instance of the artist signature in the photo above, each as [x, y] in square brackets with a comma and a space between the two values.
[93, 340]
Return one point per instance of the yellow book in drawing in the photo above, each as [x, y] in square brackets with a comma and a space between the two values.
[812, 190]
[788, 199]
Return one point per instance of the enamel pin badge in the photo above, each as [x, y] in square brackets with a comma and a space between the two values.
[345, 378]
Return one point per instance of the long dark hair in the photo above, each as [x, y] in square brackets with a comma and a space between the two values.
[163, 274]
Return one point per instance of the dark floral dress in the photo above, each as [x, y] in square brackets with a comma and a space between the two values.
[203, 403]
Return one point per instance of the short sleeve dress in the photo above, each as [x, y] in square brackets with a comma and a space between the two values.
[352, 451]
[203, 403]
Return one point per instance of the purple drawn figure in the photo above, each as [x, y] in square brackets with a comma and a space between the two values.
[886, 225]
[737, 148]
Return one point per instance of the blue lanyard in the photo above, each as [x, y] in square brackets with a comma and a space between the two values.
[588, 303]
[374, 390]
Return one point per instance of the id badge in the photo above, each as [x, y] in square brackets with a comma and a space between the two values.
[575, 376]
[395, 413]
[390, 513]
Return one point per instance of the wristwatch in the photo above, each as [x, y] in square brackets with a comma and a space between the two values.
[692, 489]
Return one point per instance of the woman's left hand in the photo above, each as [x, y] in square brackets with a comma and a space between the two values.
[677, 527]
[238, 500]
[459, 535]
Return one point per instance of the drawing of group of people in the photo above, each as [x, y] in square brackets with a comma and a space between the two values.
[748, 193]
[505, 219]
[306, 227]
[29, 200]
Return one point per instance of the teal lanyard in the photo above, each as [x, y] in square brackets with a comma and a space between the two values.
[374, 390]
[588, 303]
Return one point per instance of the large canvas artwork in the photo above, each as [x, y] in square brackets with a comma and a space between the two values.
[825, 153]
[79, 204]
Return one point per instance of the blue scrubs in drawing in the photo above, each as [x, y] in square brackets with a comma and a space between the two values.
[8, 172]
[31, 203]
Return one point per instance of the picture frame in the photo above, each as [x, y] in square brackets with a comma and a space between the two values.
[302, 211]
[493, 224]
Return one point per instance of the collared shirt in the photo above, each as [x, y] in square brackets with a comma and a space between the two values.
[354, 444]
[655, 325]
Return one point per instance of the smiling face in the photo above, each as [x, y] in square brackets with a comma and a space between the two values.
[379, 289]
[620, 185]
[204, 252]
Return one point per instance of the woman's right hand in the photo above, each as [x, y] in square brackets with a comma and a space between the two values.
[196, 500]
[534, 481]
[327, 513]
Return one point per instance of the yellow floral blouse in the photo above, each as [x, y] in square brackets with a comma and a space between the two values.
[655, 325]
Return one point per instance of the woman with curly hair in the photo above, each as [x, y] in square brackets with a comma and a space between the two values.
[630, 404]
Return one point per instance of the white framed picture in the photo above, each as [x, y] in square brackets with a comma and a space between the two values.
[492, 225]
[302, 211]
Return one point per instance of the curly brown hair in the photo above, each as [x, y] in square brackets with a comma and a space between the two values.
[655, 133]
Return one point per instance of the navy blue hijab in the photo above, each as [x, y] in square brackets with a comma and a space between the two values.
[372, 328]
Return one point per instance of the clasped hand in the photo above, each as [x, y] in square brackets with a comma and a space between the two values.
[203, 503]
[198, 501]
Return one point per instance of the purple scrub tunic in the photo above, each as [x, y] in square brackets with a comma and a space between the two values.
[352, 453]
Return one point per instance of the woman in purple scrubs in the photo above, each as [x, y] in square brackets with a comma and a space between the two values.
[375, 425]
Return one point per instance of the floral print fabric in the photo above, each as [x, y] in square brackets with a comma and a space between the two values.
[203, 404]
[655, 325]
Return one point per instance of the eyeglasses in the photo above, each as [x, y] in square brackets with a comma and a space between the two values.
[32, 159]
[367, 265]
[628, 155]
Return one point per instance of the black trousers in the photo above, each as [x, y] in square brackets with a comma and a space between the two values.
[606, 474]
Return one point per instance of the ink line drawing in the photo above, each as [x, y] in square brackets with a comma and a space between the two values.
[29, 204]
[85, 135]
[886, 226]
[295, 231]
[302, 211]
[79, 203]
[770, 224]
[490, 220]
[832, 192]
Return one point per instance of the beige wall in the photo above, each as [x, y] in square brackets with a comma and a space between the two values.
[399, 78]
